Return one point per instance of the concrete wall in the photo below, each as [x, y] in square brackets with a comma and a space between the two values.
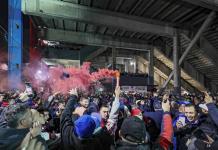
[60, 53]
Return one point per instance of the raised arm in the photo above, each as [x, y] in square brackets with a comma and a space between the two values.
[66, 122]
[166, 126]
[113, 116]
[212, 110]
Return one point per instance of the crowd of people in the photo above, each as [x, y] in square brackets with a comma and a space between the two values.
[107, 121]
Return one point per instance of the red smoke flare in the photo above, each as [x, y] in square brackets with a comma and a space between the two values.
[55, 79]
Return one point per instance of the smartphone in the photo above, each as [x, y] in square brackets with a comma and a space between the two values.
[182, 120]
[45, 135]
[29, 89]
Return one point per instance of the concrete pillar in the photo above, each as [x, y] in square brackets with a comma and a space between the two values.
[113, 65]
[15, 43]
[113, 58]
[126, 63]
[151, 67]
[137, 64]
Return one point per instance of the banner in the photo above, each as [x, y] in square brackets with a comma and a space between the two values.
[139, 89]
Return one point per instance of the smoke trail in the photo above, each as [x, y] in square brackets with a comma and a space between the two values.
[61, 79]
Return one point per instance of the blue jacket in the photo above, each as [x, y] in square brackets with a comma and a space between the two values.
[156, 116]
[213, 112]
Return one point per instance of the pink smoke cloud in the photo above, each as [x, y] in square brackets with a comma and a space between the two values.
[3, 67]
[60, 79]
[3, 70]
[53, 79]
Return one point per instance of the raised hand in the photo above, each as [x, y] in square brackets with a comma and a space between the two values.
[165, 97]
[117, 91]
[118, 78]
[79, 111]
[166, 105]
[208, 98]
[36, 129]
[23, 96]
[179, 124]
[73, 92]
[56, 93]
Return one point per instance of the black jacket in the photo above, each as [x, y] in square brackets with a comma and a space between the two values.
[106, 139]
[68, 139]
[121, 145]
[207, 126]
[10, 138]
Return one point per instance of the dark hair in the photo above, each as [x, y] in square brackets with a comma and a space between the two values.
[103, 105]
[175, 106]
[190, 105]
[41, 110]
[14, 113]
[83, 96]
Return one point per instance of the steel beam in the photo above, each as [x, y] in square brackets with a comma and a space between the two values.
[96, 53]
[176, 67]
[158, 65]
[206, 23]
[101, 40]
[70, 11]
[208, 49]
[205, 49]
[210, 4]
[94, 39]
[186, 76]
[15, 42]
[86, 51]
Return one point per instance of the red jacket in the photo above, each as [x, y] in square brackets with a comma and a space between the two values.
[166, 135]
